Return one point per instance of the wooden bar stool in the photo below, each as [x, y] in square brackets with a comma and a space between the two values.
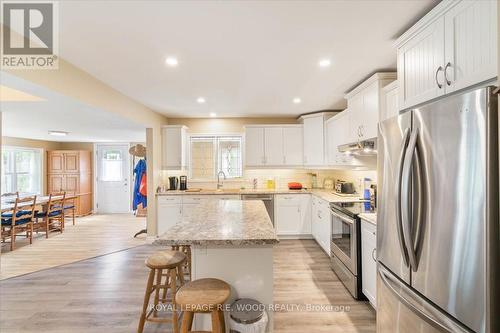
[186, 249]
[203, 296]
[172, 262]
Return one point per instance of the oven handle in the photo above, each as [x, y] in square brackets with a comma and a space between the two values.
[343, 218]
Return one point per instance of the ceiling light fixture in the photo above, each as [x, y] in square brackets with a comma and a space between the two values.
[324, 63]
[58, 133]
[213, 114]
[297, 100]
[201, 100]
[171, 61]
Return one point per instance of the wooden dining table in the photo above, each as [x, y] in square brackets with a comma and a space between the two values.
[7, 203]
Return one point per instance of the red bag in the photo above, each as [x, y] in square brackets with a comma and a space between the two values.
[143, 187]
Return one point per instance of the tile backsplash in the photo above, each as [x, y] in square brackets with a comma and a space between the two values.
[282, 177]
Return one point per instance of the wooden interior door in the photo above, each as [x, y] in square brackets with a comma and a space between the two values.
[55, 183]
[71, 162]
[56, 162]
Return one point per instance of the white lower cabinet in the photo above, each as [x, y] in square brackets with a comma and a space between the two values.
[169, 210]
[292, 214]
[368, 261]
[321, 223]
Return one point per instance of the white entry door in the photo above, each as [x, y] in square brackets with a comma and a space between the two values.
[113, 178]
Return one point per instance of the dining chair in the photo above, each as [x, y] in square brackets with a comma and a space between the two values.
[53, 212]
[20, 219]
[71, 206]
[11, 194]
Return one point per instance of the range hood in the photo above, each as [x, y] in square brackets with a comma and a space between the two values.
[360, 148]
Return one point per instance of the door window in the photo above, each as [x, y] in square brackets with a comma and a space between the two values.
[112, 166]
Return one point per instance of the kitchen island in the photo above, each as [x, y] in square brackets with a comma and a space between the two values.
[231, 240]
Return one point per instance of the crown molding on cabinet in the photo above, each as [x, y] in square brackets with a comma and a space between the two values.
[375, 77]
[428, 19]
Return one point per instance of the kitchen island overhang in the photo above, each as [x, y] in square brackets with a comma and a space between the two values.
[231, 240]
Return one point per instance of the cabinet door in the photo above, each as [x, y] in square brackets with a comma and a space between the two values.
[172, 145]
[369, 265]
[369, 116]
[273, 146]
[471, 43]
[325, 226]
[55, 183]
[314, 141]
[332, 140]
[314, 219]
[418, 63]
[71, 162]
[390, 108]
[293, 146]
[72, 184]
[168, 216]
[56, 162]
[305, 214]
[254, 146]
[355, 118]
[288, 220]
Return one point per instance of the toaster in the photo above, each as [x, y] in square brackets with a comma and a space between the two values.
[344, 187]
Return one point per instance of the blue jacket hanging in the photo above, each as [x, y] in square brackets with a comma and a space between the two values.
[139, 171]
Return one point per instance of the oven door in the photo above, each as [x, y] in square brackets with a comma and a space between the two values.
[343, 240]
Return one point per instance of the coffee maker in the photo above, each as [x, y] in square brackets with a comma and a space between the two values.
[183, 183]
[173, 183]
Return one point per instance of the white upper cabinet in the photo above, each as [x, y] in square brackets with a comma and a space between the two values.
[292, 145]
[453, 47]
[337, 134]
[254, 146]
[273, 145]
[390, 106]
[420, 66]
[174, 147]
[364, 103]
[314, 139]
[470, 43]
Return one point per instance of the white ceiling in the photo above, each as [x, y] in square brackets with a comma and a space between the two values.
[247, 58]
[34, 119]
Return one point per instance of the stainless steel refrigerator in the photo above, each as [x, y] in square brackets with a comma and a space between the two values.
[438, 232]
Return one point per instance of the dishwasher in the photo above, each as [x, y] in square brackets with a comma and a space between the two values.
[268, 200]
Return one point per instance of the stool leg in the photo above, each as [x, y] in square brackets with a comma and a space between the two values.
[157, 292]
[187, 322]
[167, 285]
[218, 325]
[180, 274]
[173, 292]
[149, 286]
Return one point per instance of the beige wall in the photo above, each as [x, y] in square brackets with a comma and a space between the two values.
[225, 125]
[46, 146]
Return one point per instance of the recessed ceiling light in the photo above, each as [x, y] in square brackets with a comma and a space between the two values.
[213, 114]
[324, 63]
[297, 100]
[201, 100]
[171, 61]
[58, 133]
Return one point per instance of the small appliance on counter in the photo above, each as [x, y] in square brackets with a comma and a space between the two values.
[183, 183]
[294, 186]
[173, 183]
[344, 188]
[328, 184]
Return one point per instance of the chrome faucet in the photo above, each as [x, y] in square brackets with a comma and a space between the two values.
[219, 185]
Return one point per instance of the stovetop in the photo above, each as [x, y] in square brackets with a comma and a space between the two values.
[352, 209]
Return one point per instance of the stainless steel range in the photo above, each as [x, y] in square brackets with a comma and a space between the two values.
[346, 244]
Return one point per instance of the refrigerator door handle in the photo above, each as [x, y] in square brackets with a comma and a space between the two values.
[418, 305]
[405, 198]
[399, 223]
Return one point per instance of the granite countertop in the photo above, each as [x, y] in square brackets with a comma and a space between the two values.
[223, 222]
[369, 217]
[326, 195]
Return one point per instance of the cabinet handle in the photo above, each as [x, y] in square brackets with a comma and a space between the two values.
[373, 255]
[448, 82]
[440, 68]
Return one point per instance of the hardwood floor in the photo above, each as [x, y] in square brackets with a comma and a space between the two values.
[91, 236]
[104, 294]
[302, 276]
